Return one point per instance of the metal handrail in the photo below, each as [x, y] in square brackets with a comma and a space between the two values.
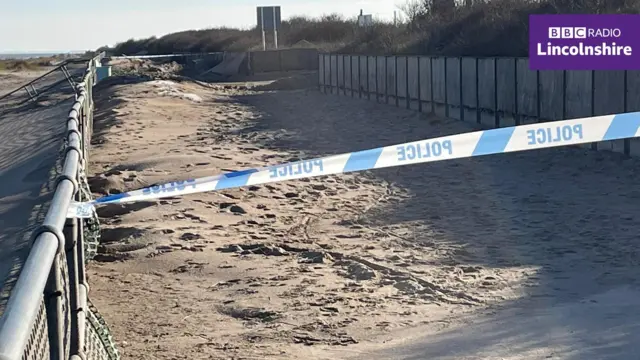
[19, 317]
[57, 67]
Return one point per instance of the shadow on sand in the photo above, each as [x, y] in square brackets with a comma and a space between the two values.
[570, 214]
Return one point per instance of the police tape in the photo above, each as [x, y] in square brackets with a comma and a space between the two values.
[478, 143]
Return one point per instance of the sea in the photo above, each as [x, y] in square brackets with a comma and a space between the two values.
[17, 56]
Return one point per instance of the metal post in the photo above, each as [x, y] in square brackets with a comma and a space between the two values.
[337, 82]
[433, 103]
[478, 110]
[324, 73]
[495, 93]
[446, 90]
[419, 87]
[275, 31]
[82, 126]
[71, 236]
[83, 290]
[359, 77]
[461, 92]
[53, 301]
[87, 119]
[515, 95]
[321, 78]
[264, 36]
[344, 74]
[86, 113]
[330, 74]
[406, 81]
[368, 79]
[351, 75]
[26, 88]
[395, 61]
[378, 82]
[67, 75]
[627, 142]
[386, 79]
[327, 75]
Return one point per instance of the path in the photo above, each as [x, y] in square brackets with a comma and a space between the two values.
[31, 136]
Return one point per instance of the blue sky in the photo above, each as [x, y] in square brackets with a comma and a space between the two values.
[70, 25]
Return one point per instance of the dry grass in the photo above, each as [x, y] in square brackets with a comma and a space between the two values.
[36, 63]
[22, 65]
[492, 28]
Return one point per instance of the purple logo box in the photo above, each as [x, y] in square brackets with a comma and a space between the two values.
[584, 42]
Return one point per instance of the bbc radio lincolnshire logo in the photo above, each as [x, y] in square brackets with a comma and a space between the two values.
[584, 42]
[605, 49]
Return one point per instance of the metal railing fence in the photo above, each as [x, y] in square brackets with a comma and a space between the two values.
[48, 314]
[491, 92]
[33, 92]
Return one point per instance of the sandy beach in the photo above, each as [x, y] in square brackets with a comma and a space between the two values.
[401, 263]
[10, 80]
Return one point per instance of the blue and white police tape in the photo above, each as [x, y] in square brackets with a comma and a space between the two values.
[495, 141]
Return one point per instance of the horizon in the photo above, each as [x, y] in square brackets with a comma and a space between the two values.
[36, 52]
[120, 20]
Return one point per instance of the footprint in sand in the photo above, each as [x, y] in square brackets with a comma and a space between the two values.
[126, 243]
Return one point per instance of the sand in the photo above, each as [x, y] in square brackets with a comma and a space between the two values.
[518, 256]
[10, 80]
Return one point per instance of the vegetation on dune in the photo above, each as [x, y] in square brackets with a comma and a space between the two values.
[435, 27]
[35, 63]
[22, 65]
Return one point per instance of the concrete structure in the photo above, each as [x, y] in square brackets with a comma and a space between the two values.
[490, 92]
[283, 60]
[231, 65]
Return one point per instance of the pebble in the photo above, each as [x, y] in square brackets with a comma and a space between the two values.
[237, 209]
[190, 236]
